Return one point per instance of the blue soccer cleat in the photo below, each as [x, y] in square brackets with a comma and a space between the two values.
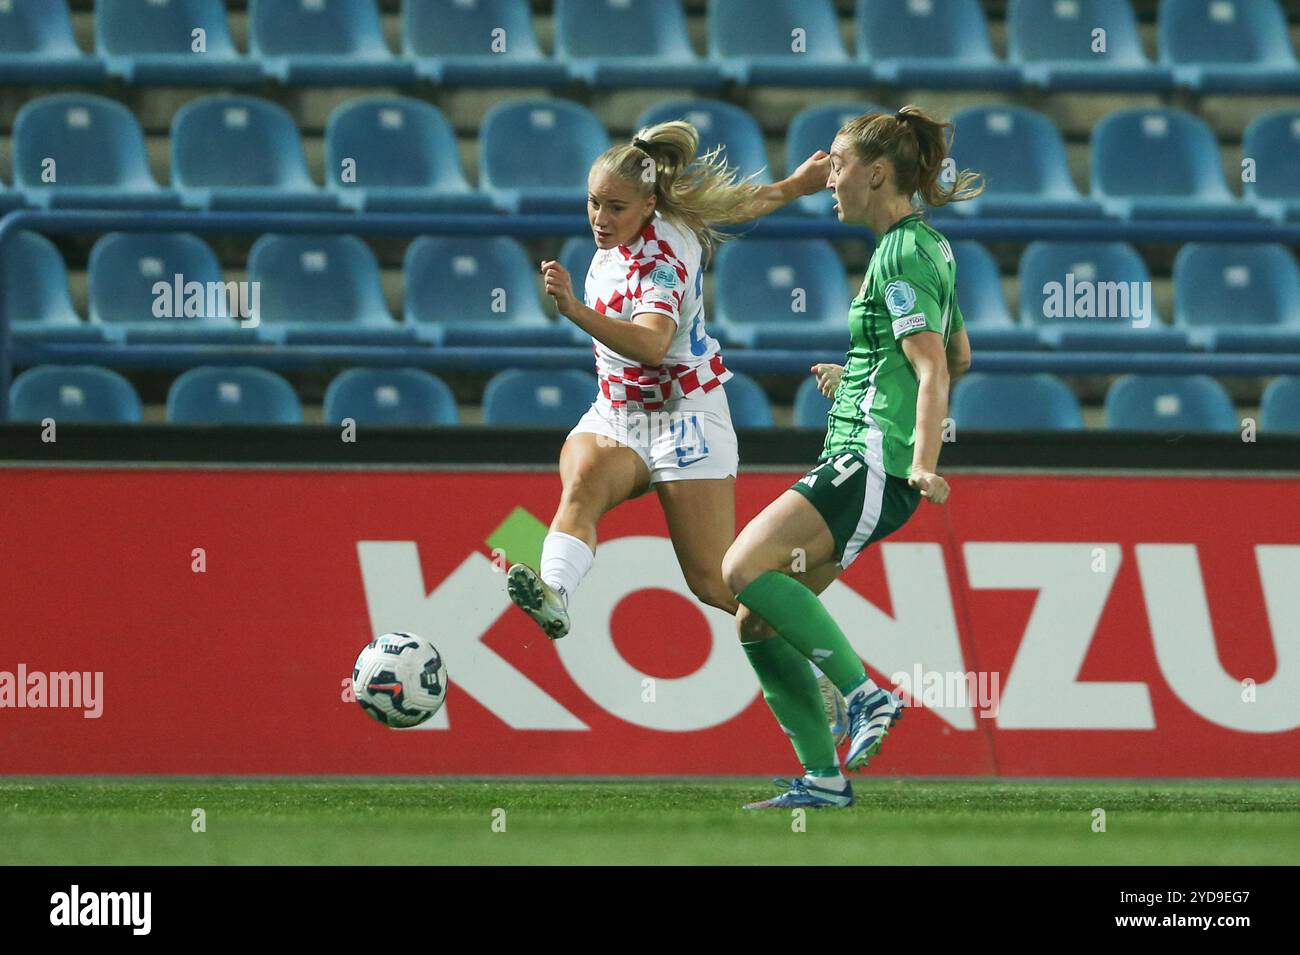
[801, 794]
[870, 717]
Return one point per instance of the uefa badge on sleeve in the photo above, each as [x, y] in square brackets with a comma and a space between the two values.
[900, 298]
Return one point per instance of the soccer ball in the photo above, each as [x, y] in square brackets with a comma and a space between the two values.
[400, 679]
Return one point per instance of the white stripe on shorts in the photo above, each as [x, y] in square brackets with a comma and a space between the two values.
[872, 501]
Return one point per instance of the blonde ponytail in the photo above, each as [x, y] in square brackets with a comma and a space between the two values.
[696, 192]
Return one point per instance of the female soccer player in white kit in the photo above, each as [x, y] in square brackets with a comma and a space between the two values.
[660, 419]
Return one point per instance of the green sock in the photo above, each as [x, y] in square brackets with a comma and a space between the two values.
[802, 620]
[791, 691]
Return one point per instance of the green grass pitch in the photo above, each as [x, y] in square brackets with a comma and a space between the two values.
[98, 822]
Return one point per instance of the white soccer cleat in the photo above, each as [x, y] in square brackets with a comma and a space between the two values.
[538, 599]
[871, 715]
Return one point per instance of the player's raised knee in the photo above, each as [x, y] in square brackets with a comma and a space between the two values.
[710, 589]
[735, 574]
[752, 627]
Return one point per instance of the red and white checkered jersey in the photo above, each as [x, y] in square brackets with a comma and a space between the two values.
[660, 271]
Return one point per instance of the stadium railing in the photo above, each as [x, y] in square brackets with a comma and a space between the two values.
[171, 357]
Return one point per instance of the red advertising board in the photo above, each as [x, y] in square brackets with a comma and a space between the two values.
[1102, 626]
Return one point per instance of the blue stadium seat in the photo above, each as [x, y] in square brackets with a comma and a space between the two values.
[390, 396]
[324, 42]
[760, 47]
[781, 293]
[484, 43]
[539, 397]
[1195, 404]
[147, 42]
[576, 255]
[1160, 163]
[748, 402]
[1054, 46]
[810, 406]
[80, 393]
[37, 300]
[1279, 406]
[321, 289]
[1040, 402]
[271, 171]
[612, 44]
[37, 46]
[1237, 296]
[10, 199]
[395, 154]
[718, 123]
[1228, 46]
[534, 154]
[1273, 142]
[979, 286]
[234, 395]
[983, 305]
[125, 268]
[1092, 296]
[93, 149]
[930, 44]
[476, 291]
[815, 128]
[1022, 157]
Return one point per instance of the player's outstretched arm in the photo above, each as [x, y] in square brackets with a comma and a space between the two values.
[809, 178]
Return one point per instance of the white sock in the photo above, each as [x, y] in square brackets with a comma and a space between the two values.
[836, 782]
[565, 561]
[865, 690]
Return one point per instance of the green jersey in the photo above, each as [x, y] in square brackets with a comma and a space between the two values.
[910, 287]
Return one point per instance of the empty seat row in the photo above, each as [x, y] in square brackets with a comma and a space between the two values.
[232, 395]
[767, 294]
[169, 288]
[239, 152]
[398, 153]
[1193, 404]
[413, 397]
[1204, 45]
[1097, 296]
[368, 396]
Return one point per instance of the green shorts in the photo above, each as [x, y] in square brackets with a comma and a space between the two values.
[860, 503]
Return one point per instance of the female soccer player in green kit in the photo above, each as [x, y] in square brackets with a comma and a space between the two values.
[883, 435]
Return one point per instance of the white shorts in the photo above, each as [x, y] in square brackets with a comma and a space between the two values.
[691, 439]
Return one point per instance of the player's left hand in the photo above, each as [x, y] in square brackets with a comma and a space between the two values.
[932, 487]
[812, 173]
[559, 286]
[828, 378]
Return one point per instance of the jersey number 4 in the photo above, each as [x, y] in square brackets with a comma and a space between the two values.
[847, 465]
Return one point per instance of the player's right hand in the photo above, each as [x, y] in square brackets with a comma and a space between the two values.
[932, 486]
[828, 378]
[812, 173]
[559, 286]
